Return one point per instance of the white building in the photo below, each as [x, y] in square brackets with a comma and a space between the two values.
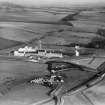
[17, 53]
[49, 53]
[29, 51]
[25, 51]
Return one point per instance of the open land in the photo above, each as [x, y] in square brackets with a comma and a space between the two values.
[57, 28]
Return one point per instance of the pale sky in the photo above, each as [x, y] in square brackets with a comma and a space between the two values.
[52, 2]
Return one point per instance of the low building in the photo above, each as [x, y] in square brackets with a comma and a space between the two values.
[29, 51]
[49, 53]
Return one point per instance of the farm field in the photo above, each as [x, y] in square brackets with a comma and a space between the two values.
[94, 95]
[58, 28]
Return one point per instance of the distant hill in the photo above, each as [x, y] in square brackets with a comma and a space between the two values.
[11, 7]
[5, 43]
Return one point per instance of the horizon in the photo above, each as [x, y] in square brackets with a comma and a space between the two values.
[60, 3]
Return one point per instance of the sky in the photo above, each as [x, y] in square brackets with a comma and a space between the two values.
[53, 2]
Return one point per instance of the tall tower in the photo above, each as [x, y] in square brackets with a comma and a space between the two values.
[77, 50]
[40, 44]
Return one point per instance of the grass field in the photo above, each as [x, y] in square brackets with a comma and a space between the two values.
[56, 27]
[14, 82]
[5, 43]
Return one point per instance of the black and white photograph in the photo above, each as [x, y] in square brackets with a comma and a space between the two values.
[52, 52]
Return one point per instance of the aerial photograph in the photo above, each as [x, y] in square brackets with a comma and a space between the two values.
[52, 52]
